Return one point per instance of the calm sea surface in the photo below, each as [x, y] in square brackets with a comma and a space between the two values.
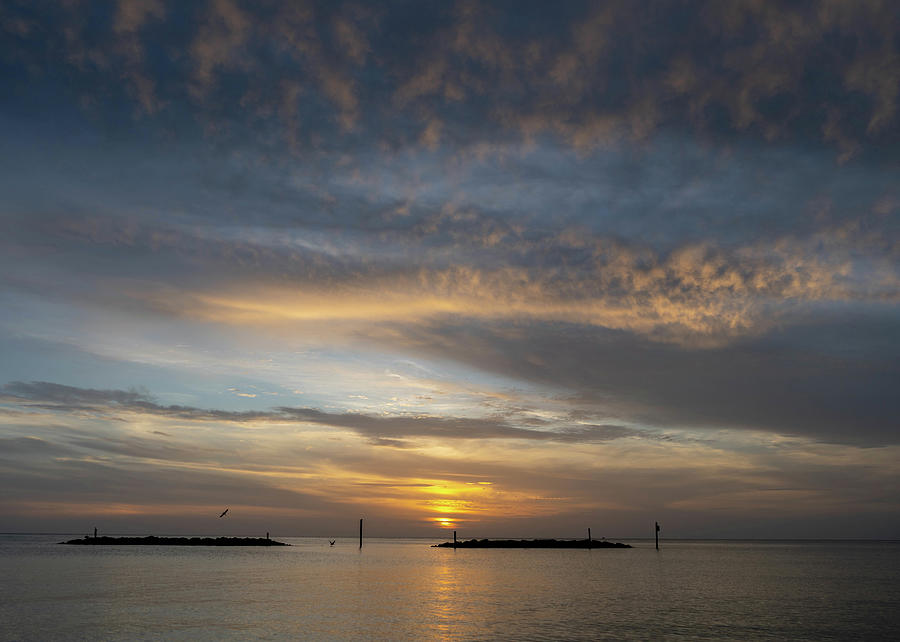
[403, 589]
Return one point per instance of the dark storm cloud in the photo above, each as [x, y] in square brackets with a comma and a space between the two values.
[832, 377]
[382, 430]
[808, 72]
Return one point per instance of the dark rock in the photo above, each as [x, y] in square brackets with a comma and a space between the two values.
[174, 541]
[532, 543]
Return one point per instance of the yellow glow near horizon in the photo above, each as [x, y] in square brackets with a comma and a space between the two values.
[444, 522]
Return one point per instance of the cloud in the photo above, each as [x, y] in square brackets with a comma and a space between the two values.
[488, 267]
[132, 14]
[698, 294]
[352, 38]
[286, 477]
[220, 37]
[699, 254]
[591, 75]
[383, 430]
[828, 378]
[648, 256]
[53, 396]
[143, 487]
[30, 446]
[72, 398]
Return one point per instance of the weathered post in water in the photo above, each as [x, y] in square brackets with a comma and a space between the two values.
[657, 535]
[360, 532]
[589, 538]
[95, 532]
[454, 540]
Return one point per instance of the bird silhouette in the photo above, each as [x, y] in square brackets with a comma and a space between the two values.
[331, 542]
[223, 513]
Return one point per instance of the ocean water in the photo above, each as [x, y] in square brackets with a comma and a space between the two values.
[402, 589]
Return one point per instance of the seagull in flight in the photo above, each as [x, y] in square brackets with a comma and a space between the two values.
[223, 513]
[331, 542]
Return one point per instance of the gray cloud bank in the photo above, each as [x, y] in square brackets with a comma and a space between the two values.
[832, 377]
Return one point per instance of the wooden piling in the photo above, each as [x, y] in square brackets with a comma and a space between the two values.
[95, 532]
[360, 532]
[454, 539]
[589, 538]
[657, 535]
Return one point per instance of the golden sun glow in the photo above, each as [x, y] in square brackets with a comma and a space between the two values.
[444, 522]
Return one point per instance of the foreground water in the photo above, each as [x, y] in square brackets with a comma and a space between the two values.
[403, 589]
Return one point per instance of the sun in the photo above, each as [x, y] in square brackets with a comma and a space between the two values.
[445, 522]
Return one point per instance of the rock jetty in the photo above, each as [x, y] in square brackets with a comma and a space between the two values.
[532, 543]
[174, 541]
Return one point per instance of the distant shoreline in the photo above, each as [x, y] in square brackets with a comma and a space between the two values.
[532, 543]
[152, 540]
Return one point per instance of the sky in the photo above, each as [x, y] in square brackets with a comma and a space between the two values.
[512, 268]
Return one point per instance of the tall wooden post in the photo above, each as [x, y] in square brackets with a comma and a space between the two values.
[454, 539]
[657, 535]
[95, 532]
[360, 532]
[589, 538]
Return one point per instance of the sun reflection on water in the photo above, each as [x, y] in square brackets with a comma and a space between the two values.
[446, 590]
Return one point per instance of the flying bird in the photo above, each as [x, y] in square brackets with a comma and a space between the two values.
[223, 513]
[331, 542]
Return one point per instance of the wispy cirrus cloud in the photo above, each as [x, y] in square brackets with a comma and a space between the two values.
[384, 430]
